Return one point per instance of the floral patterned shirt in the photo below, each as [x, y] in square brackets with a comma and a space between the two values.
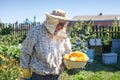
[43, 52]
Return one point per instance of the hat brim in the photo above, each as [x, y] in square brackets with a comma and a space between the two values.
[57, 17]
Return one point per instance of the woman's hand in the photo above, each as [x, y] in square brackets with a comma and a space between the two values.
[26, 74]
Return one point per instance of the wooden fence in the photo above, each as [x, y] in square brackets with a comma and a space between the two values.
[22, 29]
[15, 29]
[113, 31]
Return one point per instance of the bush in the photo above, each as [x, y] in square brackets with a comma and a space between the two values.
[80, 34]
[9, 68]
[9, 39]
[9, 58]
[6, 31]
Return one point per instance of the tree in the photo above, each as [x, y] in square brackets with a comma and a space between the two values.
[80, 34]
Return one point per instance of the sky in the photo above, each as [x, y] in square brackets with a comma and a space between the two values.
[18, 10]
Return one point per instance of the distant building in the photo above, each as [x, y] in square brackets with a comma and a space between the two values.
[100, 19]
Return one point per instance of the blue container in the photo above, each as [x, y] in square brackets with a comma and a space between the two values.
[90, 53]
[109, 58]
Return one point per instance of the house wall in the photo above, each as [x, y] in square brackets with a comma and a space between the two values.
[103, 23]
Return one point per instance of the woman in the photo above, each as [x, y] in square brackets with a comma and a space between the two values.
[43, 49]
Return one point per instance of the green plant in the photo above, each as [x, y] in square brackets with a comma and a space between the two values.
[9, 39]
[75, 37]
[9, 62]
[64, 75]
[106, 36]
[12, 52]
[106, 39]
[79, 76]
[9, 68]
[9, 57]
[80, 34]
[115, 76]
[6, 30]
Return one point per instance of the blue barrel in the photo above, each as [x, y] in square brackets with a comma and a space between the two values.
[90, 53]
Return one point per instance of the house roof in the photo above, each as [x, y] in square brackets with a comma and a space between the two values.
[96, 17]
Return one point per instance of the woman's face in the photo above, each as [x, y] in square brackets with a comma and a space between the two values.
[60, 30]
[59, 27]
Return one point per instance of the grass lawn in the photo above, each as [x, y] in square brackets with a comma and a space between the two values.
[94, 71]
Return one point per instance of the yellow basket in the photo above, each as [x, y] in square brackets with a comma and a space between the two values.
[75, 64]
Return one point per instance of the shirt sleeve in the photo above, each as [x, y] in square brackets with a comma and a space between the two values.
[67, 46]
[27, 49]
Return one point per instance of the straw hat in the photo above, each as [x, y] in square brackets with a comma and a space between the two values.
[52, 19]
[58, 14]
